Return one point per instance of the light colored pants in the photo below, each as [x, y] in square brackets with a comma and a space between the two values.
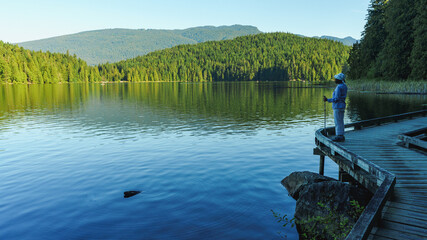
[339, 121]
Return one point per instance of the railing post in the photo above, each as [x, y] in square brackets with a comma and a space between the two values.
[340, 174]
[317, 151]
[322, 165]
[343, 176]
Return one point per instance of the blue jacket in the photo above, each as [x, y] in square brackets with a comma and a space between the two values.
[338, 97]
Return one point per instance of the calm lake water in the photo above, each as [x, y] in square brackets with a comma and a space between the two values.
[208, 158]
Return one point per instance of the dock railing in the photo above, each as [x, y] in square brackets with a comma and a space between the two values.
[376, 179]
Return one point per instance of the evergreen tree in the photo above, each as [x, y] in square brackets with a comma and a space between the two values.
[262, 57]
[393, 60]
[5, 71]
[394, 42]
[273, 56]
[418, 59]
[18, 65]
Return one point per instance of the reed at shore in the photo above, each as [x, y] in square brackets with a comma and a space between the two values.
[392, 87]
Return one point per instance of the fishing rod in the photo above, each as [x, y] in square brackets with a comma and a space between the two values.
[324, 119]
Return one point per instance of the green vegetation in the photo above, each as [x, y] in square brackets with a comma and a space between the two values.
[382, 86]
[394, 42]
[324, 227]
[112, 45]
[261, 57]
[18, 65]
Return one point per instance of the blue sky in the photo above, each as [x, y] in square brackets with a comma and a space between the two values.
[25, 20]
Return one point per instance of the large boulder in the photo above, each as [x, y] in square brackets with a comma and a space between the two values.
[325, 207]
[295, 182]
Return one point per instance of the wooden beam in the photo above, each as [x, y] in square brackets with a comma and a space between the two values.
[372, 212]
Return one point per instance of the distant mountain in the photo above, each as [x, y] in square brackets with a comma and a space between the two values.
[349, 41]
[112, 45]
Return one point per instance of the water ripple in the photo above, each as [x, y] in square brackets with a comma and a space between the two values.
[206, 169]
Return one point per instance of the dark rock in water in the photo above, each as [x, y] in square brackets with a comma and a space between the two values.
[326, 199]
[295, 182]
[129, 194]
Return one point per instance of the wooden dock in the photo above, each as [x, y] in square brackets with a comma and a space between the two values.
[379, 156]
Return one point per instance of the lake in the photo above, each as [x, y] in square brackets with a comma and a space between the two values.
[208, 158]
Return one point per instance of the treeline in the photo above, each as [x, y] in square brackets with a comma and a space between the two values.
[269, 56]
[18, 65]
[261, 57]
[394, 42]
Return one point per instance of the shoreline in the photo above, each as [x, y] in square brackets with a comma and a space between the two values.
[364, 85]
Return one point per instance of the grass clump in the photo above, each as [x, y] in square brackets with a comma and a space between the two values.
[391, 87]
[323, 227]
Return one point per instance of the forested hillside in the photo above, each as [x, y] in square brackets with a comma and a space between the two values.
[261, 57]
[394, 42]
[112, 45]
[18, 65]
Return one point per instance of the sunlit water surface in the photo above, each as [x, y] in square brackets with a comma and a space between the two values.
[207, 158]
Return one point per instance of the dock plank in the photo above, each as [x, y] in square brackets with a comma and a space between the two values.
[411, 221]
[406, 213]
[402, 227]
[384, 233]
[408, 206]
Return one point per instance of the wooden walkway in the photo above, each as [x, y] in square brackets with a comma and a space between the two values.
[405, 213]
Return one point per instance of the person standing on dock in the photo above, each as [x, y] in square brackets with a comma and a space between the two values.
[338, 106]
